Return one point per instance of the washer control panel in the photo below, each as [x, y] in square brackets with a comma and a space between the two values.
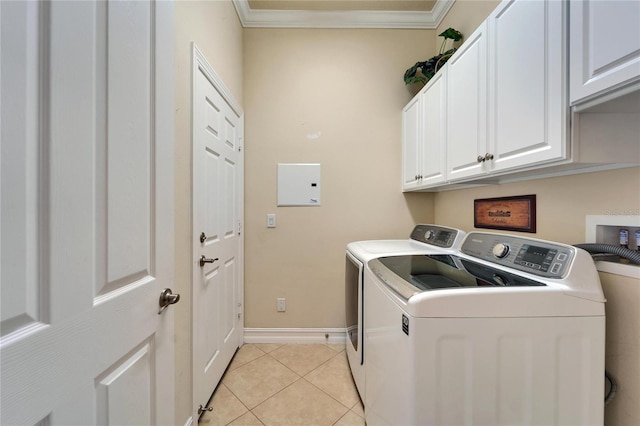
[435, 235]
[537, 257]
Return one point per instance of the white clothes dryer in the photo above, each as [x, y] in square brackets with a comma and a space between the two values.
[424, 239]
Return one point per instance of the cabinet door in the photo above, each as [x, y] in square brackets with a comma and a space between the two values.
[605, 46]
[431, 165]
[527, 86]
[467, 107]
[411, 134]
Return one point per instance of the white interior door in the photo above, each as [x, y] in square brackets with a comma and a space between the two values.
[217, 210]
[86, 212]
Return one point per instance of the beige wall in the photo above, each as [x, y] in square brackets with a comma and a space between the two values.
[332, 97]
[216, 30]
[465, 16]
[623, 347]
[562, 202]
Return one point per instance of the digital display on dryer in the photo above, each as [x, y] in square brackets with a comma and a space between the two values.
[443, 237]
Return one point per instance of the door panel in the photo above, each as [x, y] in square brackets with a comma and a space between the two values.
[526, 62]
[467, 107]
[128, 137]
[217, 323]
[432, 157]
[411, 132]
[511, 59]
[86, 198]
[123, 394]
[212, 217]
[604, 46]
[21, 175]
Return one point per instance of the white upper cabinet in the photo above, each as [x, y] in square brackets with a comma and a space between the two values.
[604, 46]
[506, 104]
[527, 84]
[433, 145]
[505, 95]
[467, 107]
[411, 133]
[423, 139]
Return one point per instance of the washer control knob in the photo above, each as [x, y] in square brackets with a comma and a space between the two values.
[500, 250]
[429, 235]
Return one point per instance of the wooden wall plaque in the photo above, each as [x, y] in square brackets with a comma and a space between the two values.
[507, 213]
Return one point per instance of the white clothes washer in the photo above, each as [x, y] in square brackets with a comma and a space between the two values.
[424, 239]
[508, 331]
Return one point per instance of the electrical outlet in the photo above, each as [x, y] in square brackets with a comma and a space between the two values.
[281, 304]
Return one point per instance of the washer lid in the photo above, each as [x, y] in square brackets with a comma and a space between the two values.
[444, 285]
[413, 274]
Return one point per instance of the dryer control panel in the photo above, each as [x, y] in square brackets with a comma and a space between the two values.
[439, 236]
[538, 257]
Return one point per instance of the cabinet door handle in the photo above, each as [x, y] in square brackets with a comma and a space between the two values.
[480, 159]
[488, 157]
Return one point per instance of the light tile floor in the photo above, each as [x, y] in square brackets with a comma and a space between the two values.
[270, 384]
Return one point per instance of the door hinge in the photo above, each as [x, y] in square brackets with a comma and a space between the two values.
[239, 227]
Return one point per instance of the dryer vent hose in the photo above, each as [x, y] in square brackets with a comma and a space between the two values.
[632, 255]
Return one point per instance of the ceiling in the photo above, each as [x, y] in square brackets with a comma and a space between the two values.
[422, 5]
[408, 14]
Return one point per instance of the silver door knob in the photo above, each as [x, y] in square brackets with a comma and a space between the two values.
[167, 298]
[204, 260]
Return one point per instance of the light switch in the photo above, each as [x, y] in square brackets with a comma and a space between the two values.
[271, 220]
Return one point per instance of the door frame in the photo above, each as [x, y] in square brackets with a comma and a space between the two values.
[200, 64]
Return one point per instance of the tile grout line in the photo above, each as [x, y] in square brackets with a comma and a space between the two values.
[236, 396]
[337, 353]
[299, 377]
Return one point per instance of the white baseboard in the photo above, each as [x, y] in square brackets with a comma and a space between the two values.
[295, 335]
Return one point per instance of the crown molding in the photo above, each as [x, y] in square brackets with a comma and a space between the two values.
[267, 18]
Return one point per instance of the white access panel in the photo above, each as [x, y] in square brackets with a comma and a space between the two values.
[298, 184]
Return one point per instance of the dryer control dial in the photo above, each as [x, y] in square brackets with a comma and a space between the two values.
[501, 250]
[430, 235]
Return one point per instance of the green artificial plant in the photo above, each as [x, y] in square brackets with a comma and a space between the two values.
[428, 68]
